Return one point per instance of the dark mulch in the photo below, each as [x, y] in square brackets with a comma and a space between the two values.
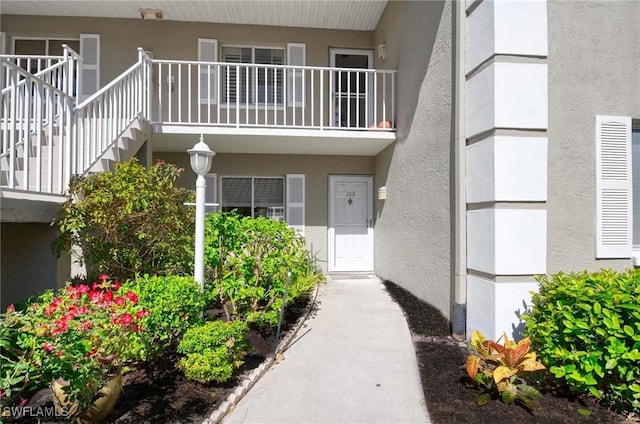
[158, 392]
[451, 400]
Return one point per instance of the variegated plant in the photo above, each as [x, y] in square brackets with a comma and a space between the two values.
[499, 369]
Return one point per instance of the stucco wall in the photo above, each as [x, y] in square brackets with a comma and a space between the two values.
[28, 265]
[594, 69]
[414, 223]
[120, 38]
[315, 168]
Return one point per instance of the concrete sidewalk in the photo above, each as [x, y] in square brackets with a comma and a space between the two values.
[353, 362]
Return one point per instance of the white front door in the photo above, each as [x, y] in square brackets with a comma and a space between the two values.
[350, 223]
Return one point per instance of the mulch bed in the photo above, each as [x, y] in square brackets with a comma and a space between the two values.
[158, 392]
[451, 400]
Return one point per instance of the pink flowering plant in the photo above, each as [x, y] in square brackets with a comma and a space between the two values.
[82, 335]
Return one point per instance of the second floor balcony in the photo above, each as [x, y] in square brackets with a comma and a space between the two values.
[351, 109]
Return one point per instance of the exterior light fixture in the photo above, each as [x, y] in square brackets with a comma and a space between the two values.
[201, 158]
[151, 14]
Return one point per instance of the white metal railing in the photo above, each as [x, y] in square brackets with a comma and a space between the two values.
[61, 72]
[102, 118]
[32, 113]
[45, 140]
[251, 95]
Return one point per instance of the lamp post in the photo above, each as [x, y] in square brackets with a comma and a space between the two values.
[201, 158]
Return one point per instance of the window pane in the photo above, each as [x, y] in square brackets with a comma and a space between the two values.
[268, 197]
[635, 161]
[236, 194]
[232, 80]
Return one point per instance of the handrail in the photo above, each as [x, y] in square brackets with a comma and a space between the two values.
[32, 112]
[250, 95]
[102, 118]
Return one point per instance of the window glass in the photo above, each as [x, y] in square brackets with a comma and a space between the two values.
[260, 85]
[254, 196]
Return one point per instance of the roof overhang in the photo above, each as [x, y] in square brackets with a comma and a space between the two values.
[329, 14]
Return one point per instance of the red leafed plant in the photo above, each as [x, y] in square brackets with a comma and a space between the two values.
[499, 369]
[82, 335]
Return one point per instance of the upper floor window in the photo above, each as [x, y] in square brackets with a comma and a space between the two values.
[251, 85]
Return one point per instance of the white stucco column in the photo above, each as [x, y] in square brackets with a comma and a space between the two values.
[506, 120]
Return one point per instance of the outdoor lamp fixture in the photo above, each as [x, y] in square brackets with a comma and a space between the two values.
[201, 158]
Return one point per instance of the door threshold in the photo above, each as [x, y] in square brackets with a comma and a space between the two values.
[351, 276]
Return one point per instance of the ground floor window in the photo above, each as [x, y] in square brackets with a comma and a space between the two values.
[254, 196]
[635, 166]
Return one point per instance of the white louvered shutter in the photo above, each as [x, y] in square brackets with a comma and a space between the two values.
[613, 187]
[295, 201]
[89, 78]
[296, 56]
[210, 191]
[208, 81]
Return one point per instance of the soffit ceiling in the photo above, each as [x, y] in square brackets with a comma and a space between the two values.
[331, 14]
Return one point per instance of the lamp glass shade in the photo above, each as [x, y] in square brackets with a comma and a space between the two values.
[200, 157]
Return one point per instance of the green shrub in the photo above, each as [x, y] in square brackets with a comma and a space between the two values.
[213, 350]
[129, 222]
[247, 261]
[175, 304]
[586, 329]
[18, 375]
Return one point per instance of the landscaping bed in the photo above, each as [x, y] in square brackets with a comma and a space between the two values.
[449, 397]
[158, 392]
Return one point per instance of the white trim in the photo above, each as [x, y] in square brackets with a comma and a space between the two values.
[331, 221]
[83, 94]
[209, 73]
[332, 86]
[289, 204]
[296, 74]
[614, 191]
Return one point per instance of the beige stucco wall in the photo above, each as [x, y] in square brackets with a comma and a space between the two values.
[315, 168]
[594, 69]
[414, 224]
[28, 265]
[120, 38]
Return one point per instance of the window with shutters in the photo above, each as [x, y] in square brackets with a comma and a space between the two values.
[635, 166]
[254, 196]
[252, 85]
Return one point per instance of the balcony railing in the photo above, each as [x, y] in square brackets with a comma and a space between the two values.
[272, 96]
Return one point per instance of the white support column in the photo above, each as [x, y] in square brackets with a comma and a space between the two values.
[506, 160]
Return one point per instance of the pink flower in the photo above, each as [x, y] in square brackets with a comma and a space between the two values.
[119, 300]
[82, 289]
[86, 325]
[59, 353]
[95, 286]
[48, 347]
[140, 314]
[94, 296]
[107, 297]
[11, 308]
[132, 297]
[56, 302]
[126, 319]
[103, 278]
[116, 285]
[115, 320]
[23, 401]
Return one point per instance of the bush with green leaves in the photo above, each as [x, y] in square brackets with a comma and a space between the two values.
[175, 305]
[213, 351]
[247, 262]
[129, 222]
[586, 329]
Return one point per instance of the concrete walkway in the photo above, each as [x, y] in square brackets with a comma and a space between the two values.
[353, 362]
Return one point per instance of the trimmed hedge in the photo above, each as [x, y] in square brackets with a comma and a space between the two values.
[586, 329]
